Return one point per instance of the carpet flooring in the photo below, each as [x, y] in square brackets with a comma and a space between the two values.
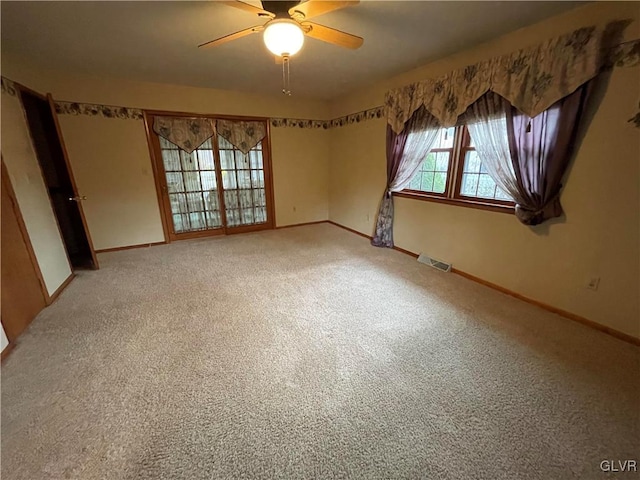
[307, 353]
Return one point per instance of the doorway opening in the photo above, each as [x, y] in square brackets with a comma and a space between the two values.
[58, 178]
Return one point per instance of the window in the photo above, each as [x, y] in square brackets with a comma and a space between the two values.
[452, 172]
[216, 189]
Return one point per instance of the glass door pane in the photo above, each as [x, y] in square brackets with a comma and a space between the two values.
[191, 187]
[243, 185]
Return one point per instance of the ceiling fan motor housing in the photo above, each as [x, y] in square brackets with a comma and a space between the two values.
[279, 8]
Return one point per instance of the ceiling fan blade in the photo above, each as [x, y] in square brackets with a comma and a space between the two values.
[248, 8]
[331, 35]
[232, 36]
[313, 8]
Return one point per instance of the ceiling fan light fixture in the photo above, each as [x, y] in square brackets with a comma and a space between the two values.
[283, 37]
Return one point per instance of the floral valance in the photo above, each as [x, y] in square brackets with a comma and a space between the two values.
[531, 79]
[186, 133]
[244, 135]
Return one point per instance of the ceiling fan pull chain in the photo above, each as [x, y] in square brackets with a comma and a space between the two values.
[286, 80]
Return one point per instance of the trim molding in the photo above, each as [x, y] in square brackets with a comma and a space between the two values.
[94, 110]
[350, 229]
[63, 107]
[563, 313]
[53, 297]
[129, 247]
[357, 117]
[558, 311]
[301, 224]
[8, 86]
[7, 350]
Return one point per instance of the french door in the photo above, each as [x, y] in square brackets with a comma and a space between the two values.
[214, 190]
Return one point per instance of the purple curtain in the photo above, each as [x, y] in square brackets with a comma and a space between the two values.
[405, 153]
[396, 142]
[541, 148]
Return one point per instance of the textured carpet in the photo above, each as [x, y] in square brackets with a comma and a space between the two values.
[307, 353]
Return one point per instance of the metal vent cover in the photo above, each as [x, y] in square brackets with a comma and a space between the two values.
[432, 262]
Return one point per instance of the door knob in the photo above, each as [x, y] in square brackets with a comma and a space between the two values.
[78, 198]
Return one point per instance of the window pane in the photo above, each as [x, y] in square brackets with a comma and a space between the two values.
[472, 162]
[229, 179]
[257, 178]
[189, 161]
[208, 180]
[226, 159]
[247, 216]
[246, 198]
[205, 159]
[259, 198]
[430, 162]
[198, 221]
[214, 219]
[415, 183]
[242, 160]
[439, 182]
[445, 138]
[486, 186]
[427, 182]
[231, 199]
[171, 159]
[502, 195]
[178, 203]
[244, 178]
[476, 182]
[442, 161]
[174, 182]
[255, 159]
[432, 175]
[233, 217]
[211, 200]
[260, 214]
[469, 184]
[194, 202]
[192, 181]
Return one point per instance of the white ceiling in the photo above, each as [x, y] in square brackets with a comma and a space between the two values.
[156, 41]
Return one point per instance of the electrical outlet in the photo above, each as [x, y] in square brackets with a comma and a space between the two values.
[594, 283]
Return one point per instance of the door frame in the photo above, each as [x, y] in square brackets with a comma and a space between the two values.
[161, 180]
[65, 155]
[20, 89]
[5, 180]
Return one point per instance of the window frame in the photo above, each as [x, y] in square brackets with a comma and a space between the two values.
[452, 194]
[159, 175]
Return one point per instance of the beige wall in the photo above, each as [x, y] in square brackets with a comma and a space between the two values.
[301, 174]
[340, 173]
[31, 193]
[552, 263]
[357, 174]
[3, 339]
[110, 162]
[110, 157]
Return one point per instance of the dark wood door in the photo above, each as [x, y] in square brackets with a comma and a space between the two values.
[22, 290]
[58, 177]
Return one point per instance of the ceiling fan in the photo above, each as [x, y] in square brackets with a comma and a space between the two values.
[288, 23]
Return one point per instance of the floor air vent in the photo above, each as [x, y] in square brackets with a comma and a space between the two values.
[432, 262]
